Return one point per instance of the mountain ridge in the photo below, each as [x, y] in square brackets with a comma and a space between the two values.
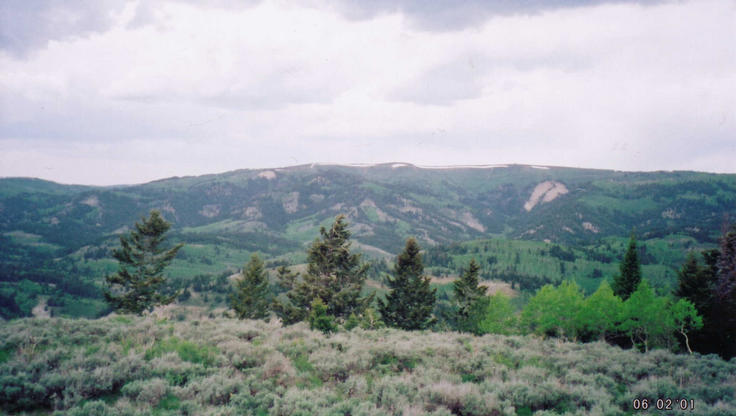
[361, 165]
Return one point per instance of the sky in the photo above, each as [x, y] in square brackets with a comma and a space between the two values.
[106, 92]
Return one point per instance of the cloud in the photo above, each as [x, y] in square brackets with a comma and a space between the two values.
[446, 15]
[444, 84]
[25, 26]
[176, 88]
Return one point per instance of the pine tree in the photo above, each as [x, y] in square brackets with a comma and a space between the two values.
[697, 284]
[410, 302]
[334, 275]
[251, 298]
[467, 292]
[319, 319]
[725, 293]
[694, 284]
[626, 282]
[284, 308]
[136, 286]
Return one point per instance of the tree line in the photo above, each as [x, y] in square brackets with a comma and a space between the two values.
[331, 293]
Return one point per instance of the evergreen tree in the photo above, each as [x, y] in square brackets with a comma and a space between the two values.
[697, 284]
[284, 308]
[626, 282]
[334, 275]
[410, 302]
[319, 319]
[694, 284]
[137, 285]
[725, 294]
[467, 292]
[251, 298]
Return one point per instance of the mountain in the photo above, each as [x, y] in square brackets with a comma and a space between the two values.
[50, 231]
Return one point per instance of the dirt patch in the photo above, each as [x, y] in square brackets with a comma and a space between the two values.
[545, 192]
[493, 286]
[290, 202]
[268, 174]
[41, 310]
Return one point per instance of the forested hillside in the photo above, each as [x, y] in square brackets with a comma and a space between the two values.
[539, 223]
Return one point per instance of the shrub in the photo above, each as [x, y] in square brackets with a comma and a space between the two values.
[187, 351]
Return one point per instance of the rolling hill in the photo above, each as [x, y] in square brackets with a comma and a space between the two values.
[59, 236]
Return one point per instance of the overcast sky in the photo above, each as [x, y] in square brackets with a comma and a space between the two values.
[110, 92]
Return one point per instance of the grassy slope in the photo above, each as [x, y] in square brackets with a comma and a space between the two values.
[126, 365]
[590, 263]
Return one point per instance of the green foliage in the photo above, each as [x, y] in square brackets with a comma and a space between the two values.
[137, 285]
[686, 319]
[410, 301]
[725, 292]
[252, 295]
[186, 350]
[600, 313]
[554, 311]
[5, 355]
[351, 323]
[467, 291]
[695, 284]
[498, 315]
[334, 274]
[283, 306]
[645, 318]
[626, 282]
[319, 319]
[370, 319]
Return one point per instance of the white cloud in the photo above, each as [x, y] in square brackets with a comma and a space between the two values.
[171, 88]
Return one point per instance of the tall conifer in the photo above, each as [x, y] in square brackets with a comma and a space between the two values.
[626, 282]
[467, 293]
[725, 293]
[693, 284]
[410, 302]
[334, 274]
[251, 298]
[137, 285]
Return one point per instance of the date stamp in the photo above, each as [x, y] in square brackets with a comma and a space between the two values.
[663, 404]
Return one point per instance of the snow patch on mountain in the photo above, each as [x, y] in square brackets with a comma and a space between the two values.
[463, 167]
